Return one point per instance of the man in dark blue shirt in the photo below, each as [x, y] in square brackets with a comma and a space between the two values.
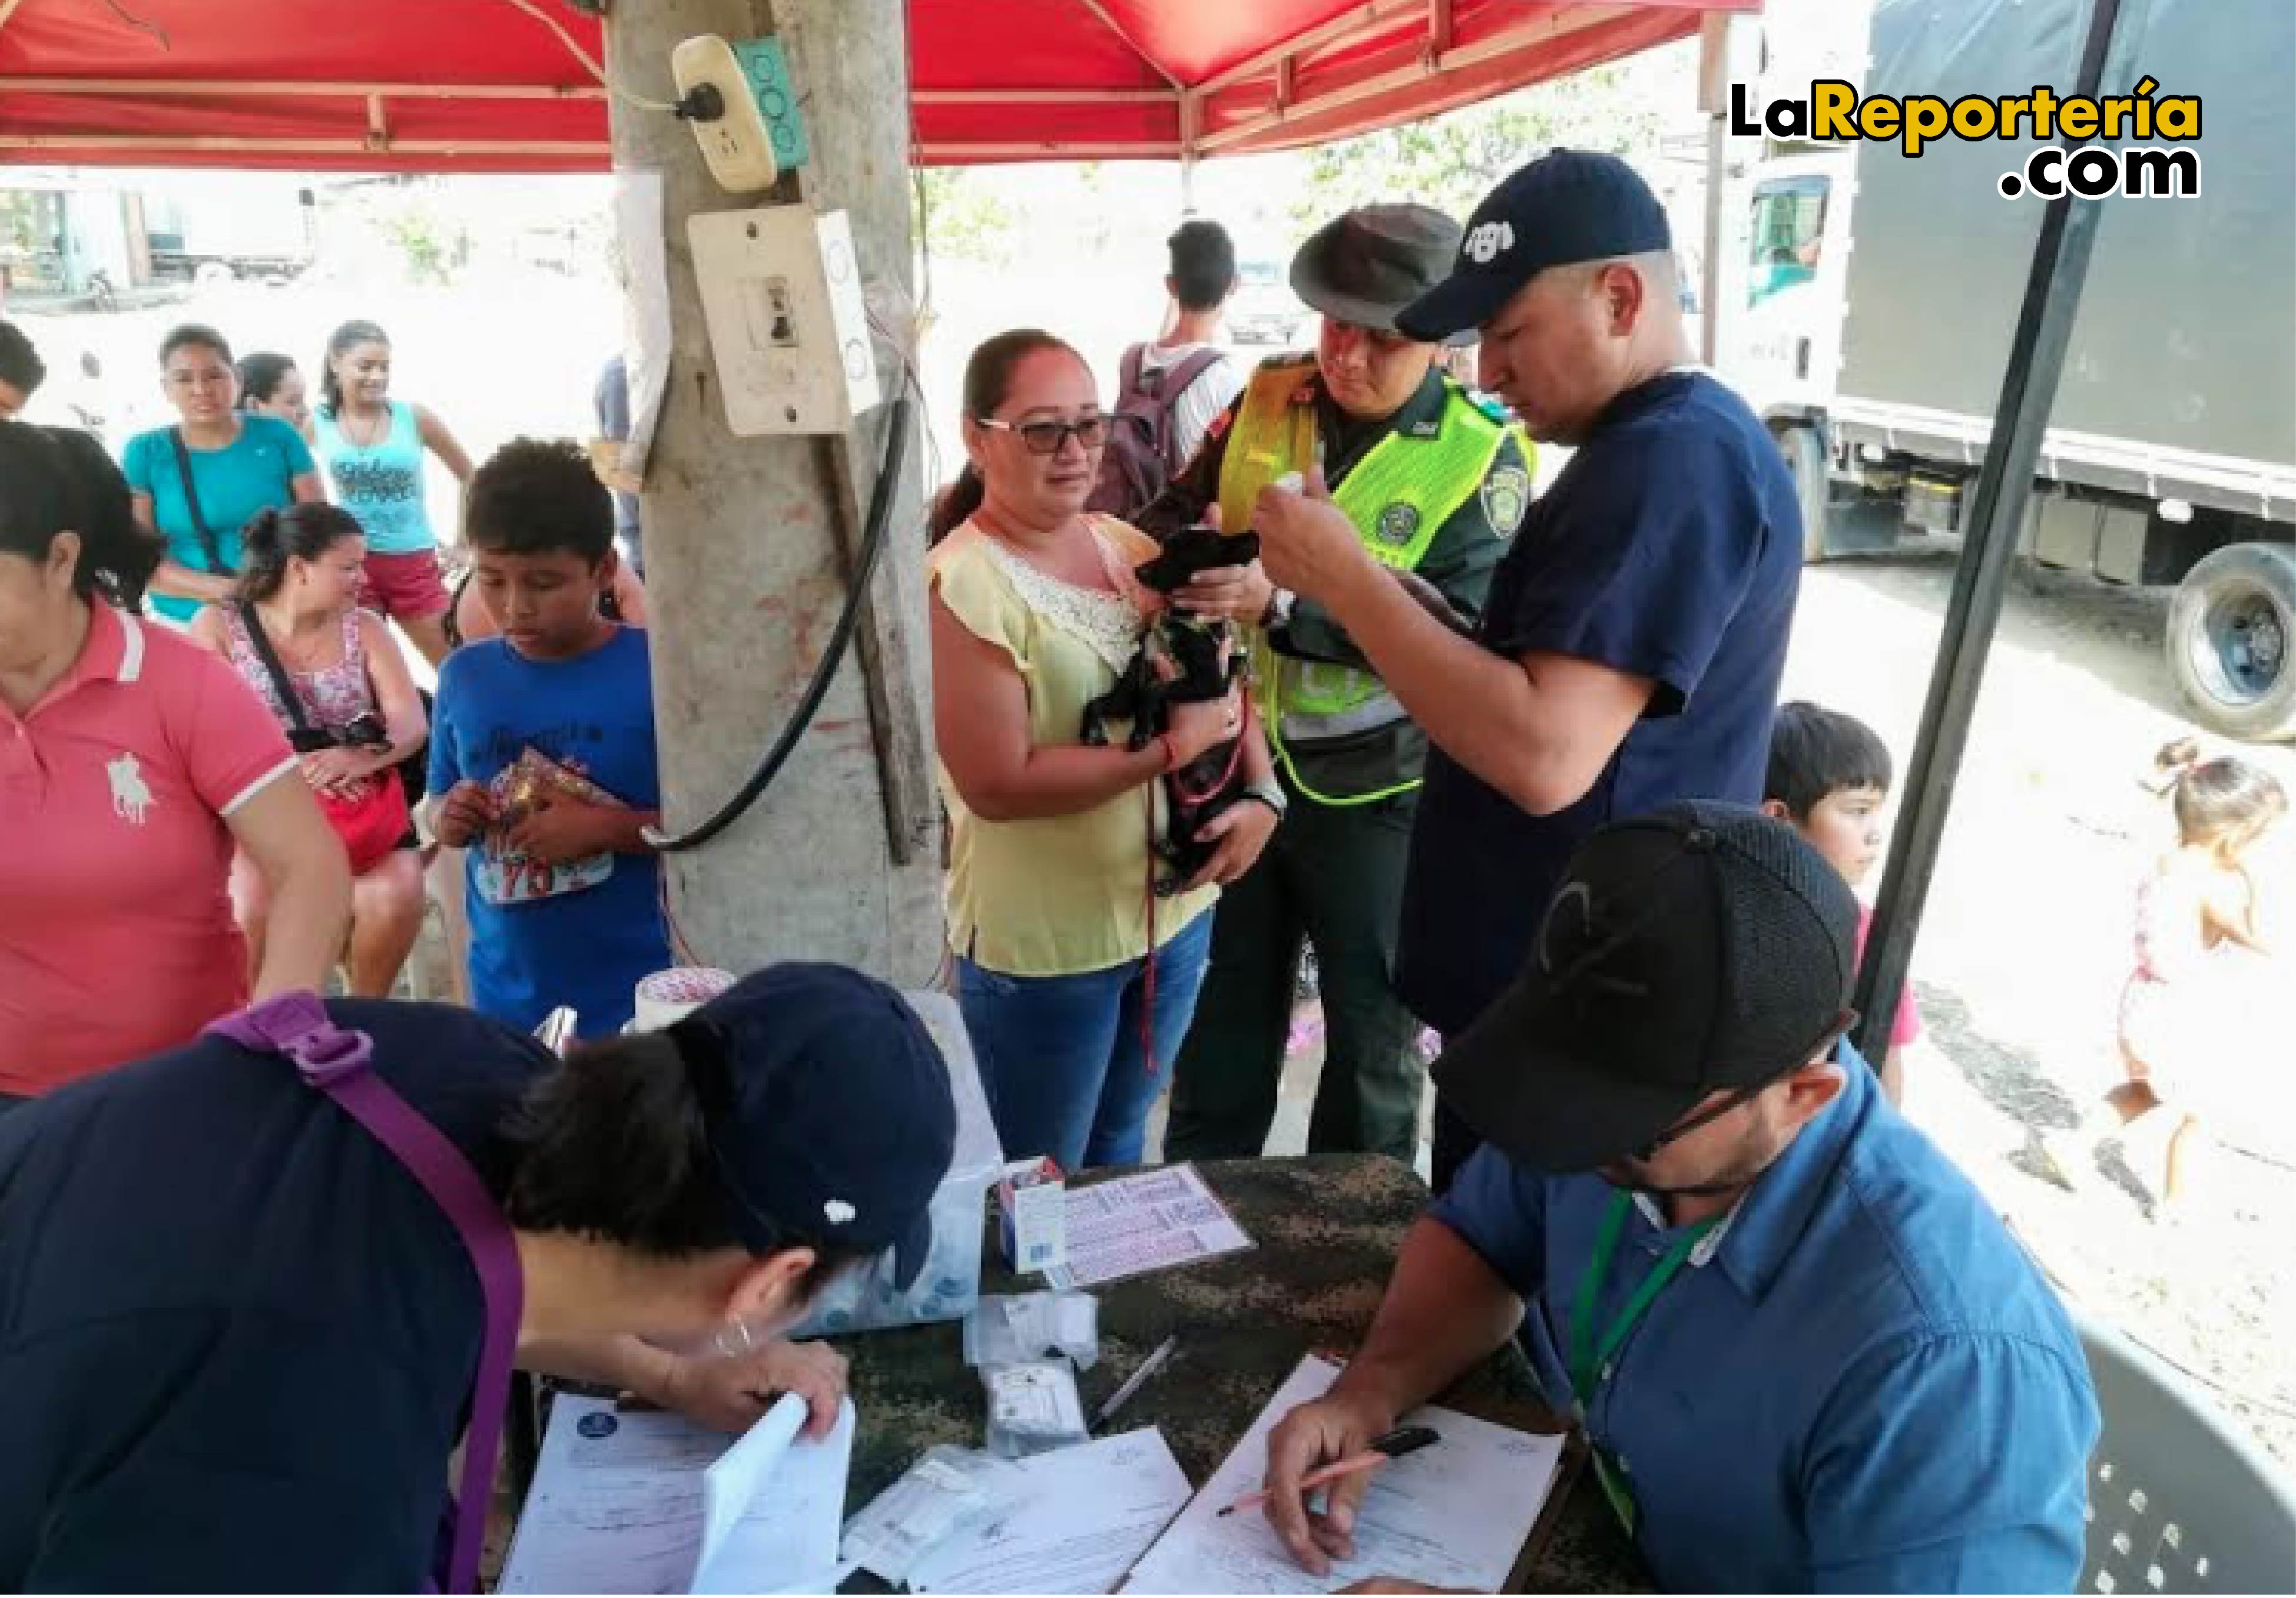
[1806, 1352]
[1630, 650]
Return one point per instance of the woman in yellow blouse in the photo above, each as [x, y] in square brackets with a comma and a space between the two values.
[1078, 985]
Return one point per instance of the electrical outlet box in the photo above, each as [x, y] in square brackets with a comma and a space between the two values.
[765, 64]
[781, 292]
[735, 142]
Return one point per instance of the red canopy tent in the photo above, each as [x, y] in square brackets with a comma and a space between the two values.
[501, 85]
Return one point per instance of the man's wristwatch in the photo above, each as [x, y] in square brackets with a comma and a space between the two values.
[1270, 795]
[1278, 613]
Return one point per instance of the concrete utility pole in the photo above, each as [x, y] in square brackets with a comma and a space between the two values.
[749, 541]
[1728, 48]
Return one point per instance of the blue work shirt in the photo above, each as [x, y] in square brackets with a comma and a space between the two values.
[539, 941]
[1863, 1386]
[1669, 548]
[237, 1340]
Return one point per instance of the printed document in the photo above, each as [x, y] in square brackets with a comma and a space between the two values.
[1077, 1522]
[1151, 1222]
[650, 1502]
[1456, 1514]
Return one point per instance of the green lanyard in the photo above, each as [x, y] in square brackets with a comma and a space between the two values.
[1590, 1359]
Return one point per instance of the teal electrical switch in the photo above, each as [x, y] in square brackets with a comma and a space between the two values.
[765, 65]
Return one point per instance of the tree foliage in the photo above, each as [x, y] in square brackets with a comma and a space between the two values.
[963, 216]
[1452, 161]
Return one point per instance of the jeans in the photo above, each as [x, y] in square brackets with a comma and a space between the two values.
[1061, 1056]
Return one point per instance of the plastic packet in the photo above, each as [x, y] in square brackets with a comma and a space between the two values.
[1008, 1329]
[1033, 1408]
[946, 1491]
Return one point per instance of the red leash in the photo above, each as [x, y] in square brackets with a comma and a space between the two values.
[1148, 978]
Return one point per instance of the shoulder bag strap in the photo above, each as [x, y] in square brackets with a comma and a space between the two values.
[1177, 382]
[282, 684]
[210, 546]
[335, 1062]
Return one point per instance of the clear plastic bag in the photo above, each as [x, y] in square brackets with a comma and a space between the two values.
[946, 1491]
[1008, 1329]
[1033, 1408]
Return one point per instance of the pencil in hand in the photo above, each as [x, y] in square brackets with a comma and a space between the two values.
[1392, 1445]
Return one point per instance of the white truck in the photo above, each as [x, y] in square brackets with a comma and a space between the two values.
[1882, 293]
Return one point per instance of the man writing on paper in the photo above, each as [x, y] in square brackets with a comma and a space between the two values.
[1630, 649]
[1807, 1353]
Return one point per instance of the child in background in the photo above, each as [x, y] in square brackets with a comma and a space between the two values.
[2191, 1013]
[1830, 776]
[542, 753]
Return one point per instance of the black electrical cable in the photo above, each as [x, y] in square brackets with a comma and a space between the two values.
[872, 546]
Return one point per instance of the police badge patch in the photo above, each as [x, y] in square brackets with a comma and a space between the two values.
[1505, 495]
[1398, 524]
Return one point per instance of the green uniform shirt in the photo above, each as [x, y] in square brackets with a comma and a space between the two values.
[1458, 563]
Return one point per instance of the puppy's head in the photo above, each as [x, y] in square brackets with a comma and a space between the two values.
[1193, 549]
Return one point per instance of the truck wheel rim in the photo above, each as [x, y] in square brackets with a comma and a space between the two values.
[2243, 649]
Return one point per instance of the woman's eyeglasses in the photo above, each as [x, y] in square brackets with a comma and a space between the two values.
[1045, 438]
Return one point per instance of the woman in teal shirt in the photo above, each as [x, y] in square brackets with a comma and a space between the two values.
[239, 465]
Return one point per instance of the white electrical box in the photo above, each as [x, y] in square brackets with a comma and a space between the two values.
[781, 291]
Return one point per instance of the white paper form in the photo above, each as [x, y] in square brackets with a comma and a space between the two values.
[1151, 1222]
[1456, 1514]
[1079, 1519]
[650, 1502]
[773, 1506]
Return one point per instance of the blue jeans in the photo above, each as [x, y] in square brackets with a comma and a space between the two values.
[1060, 1057]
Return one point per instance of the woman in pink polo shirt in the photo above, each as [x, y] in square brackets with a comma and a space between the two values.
[131, 763]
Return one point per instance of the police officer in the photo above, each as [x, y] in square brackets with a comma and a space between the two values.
[1433, 487]
[1630, 652]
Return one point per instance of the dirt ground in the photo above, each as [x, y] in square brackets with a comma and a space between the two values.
[2027, 942]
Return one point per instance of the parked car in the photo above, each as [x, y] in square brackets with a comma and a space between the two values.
[1264, 310]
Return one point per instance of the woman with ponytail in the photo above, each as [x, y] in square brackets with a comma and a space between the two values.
[355, 712]
[242, 1341]
[132, 766]
[374, 446]
[1078, 982]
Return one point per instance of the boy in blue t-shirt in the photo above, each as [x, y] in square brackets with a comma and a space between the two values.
[542, 753]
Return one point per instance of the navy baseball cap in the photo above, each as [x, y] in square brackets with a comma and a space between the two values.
[1566, 207]
[1705, 946]
[828, 1108]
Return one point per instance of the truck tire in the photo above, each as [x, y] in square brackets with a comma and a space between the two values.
[1804, 449]
[2230, 630]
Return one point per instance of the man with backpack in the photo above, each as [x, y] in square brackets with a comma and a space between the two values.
[1170, 392]
[1434, 487]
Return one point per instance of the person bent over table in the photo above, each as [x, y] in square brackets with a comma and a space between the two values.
[1807, 1355]
[239, 1337]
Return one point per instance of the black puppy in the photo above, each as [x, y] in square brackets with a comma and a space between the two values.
[1205, 662]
